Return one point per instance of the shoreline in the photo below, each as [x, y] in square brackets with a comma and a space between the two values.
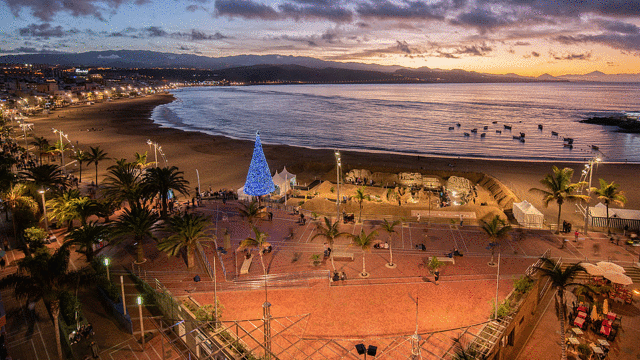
[123, 127]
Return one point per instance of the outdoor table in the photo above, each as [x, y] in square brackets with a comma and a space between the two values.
[603, 342]
[579, 322]
[597, 350]
[582, 308]
[574, 341]
[607, 322]
[582, 314]
[611, 316]
[605, 330]
[577, 331]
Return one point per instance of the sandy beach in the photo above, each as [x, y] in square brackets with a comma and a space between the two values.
[122, 128]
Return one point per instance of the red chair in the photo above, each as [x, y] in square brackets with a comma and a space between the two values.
[605, 330]
[579, 322]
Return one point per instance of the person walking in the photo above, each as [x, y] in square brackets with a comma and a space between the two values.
[576, 234]
[436, 276]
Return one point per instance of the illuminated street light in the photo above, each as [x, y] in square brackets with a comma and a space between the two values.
[106, 264]
[589, 171]
[139, 301]
[44, 209]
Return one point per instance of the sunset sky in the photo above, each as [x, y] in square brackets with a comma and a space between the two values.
[527, 37]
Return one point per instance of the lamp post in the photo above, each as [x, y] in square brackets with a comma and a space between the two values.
[106, 264]
[589, 169]
[157, 148]
[124, 307]
[338, 168]
[59, 132]
[139, 301]
[44, 211]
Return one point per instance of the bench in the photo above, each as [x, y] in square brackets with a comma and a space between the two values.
[342, 255]
[246, 264]
[446, 258]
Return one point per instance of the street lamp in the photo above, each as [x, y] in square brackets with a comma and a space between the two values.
[106, 264]
[56, 131]
[44, 211]
[588, 170]
[338, 168]
[139, 301]
[157, 148]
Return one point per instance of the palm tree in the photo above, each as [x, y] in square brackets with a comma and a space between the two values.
[561, 280]
[42, 144]
[608, 192]
[83, 207]
[158, 181]
[17, 198]
[330, 232]
[60, 147]
[81, 157]
[388, 227]
[59, 207]
[46, 276]
[141, 160]
[558, 188]
[124, 182]
[188, 231]
[45, 176]
[496, 229]
[86, 236]
[361, 197]
[140, 222]
[94, 156]
[364, 241]
[251, 212]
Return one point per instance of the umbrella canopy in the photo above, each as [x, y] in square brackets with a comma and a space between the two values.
[605, 307]
[594, 312]
[610, 267]
[618, 278]
[592, 269]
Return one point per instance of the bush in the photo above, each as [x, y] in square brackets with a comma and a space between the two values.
[504, 309]
[435, 264]
[584, 351]
[68, 307]
[523, 284]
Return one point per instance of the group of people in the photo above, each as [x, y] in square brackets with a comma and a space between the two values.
[339, 276]
[566, 226]
[84, 331]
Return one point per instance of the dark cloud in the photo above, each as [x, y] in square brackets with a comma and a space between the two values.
[619, 27]
[48, 9]
[197, 35]
[184, 48]
[581, 56]
[30, 50]
[406, 9]
[45, 30]
[245, 9]
[331, 13]
[521, 43]
[460, 51]
[616, 41]
[306, 40]
[399, 48]
[535, 54]
[403, 46]
[576, 8]
[156, 32]
[482, 19]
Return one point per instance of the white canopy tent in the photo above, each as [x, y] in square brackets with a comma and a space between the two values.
[284, 181]
[527, 215]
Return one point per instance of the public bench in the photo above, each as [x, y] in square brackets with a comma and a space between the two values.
[342, 255]
[446, 258]
[246, 265]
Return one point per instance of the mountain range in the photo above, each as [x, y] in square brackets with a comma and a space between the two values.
[286, 68]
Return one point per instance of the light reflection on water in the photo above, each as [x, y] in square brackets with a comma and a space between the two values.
[411, 118]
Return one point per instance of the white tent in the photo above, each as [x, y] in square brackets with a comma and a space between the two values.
[527, 215]
[284, 181]
[242, 195]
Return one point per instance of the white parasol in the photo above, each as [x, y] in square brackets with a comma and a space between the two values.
[605, 307]
[594, 313]
[592, 269]
[610, 267]
[618, 278]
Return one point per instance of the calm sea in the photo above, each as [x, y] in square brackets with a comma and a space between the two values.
[415, 119]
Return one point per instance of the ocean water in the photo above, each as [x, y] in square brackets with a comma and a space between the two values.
[415, 118]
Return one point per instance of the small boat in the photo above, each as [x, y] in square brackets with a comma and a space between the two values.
[521, 139]
[466, 134]
[521, 134]
[451, 128]
[458, 124]
[570, 146]
[568, 140]
[595, 147]
[494, 122]
[486, 128]
[474, 130]
[498, 131]
[540, 126]
[483, 135]
[516, 137]
[553, 133]
[508, 127]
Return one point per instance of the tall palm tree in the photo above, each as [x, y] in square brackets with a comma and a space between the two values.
[83, 207]
[187, 231]
[259, 242]
[608, 192]
[46, 276]
[558, 188]
[561, 280]
[389, 228]
[95, 155]
[86, 236]
[60, 209]
[140, 222]
[17, 198]
[251, 212]
[42, 144]
[81, 157]
[60, 147]
[45, 176]
[365, 242]
[329, 231]
[496, 229]
[361, 197]
[124, 182]
[158, 181]
[141, 160]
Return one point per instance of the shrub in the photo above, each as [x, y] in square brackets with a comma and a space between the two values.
[504, 309]
[435, 264]
[584, 351]
[68, 307]
[523, 284]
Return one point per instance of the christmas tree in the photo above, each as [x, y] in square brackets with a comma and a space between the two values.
[259, 181]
